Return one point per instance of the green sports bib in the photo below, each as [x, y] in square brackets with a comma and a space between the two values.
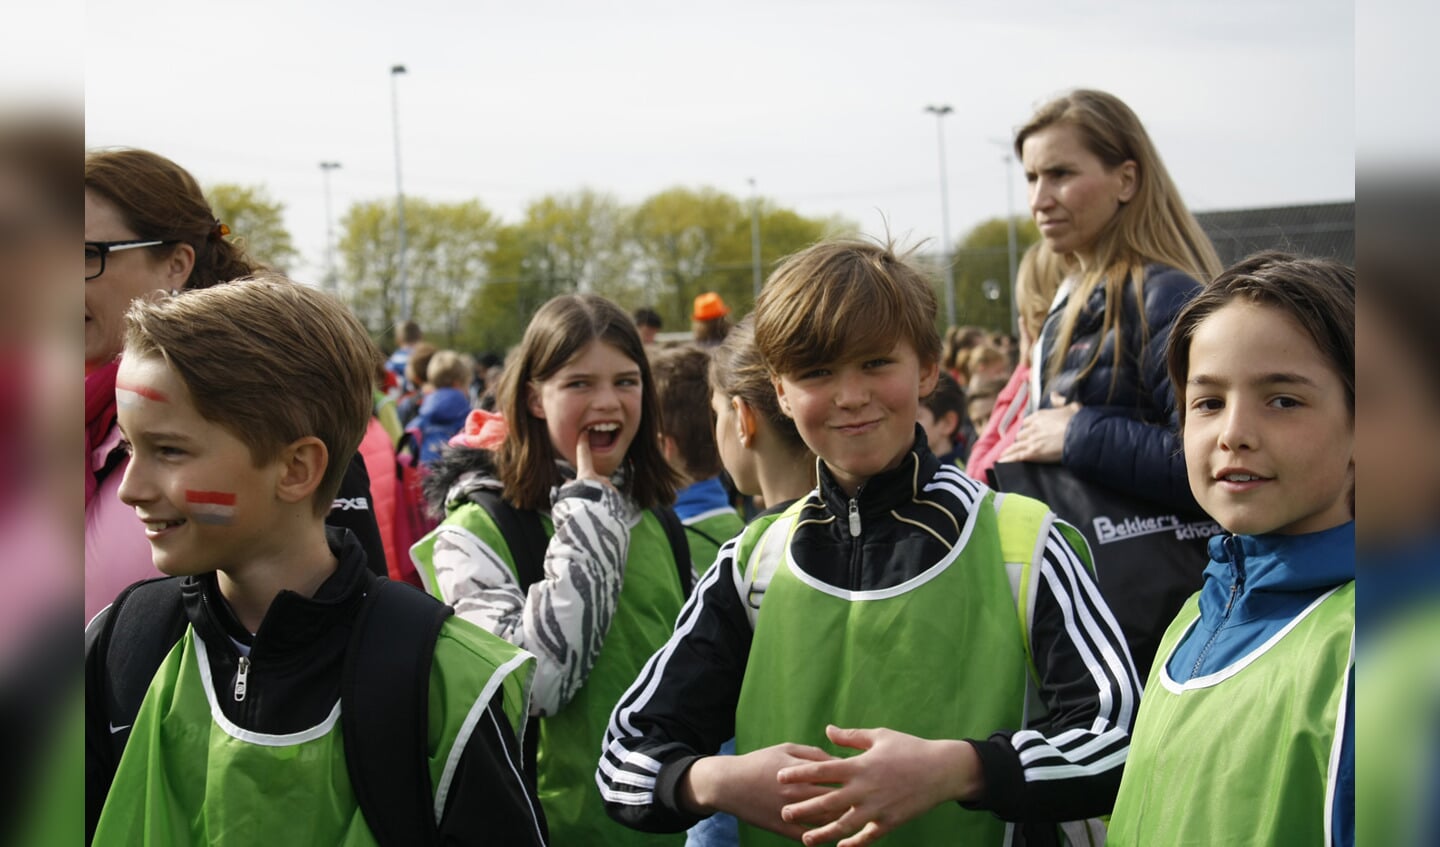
[1245, 755]
[938, 656]
[569, 743]
[190, 776]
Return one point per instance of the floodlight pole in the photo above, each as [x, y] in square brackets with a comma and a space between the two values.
[946, 259]
[395, 72]
[755, 236]
[330, 281]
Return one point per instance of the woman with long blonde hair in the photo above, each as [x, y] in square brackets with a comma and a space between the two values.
[1102, 404]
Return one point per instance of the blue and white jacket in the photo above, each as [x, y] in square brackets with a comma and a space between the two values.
[1255, 585]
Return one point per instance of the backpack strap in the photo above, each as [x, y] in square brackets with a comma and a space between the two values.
[524, 534]
[384, 708]
[679, 546]
[143, 625]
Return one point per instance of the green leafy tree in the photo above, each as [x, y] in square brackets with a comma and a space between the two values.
[691, 241]
[682, 236]
[782, 232]
[567, 243]
[982, 261]
[447, 250]
[256, 222]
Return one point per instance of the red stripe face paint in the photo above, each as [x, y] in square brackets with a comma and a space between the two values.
[129, 396]
[211, 507]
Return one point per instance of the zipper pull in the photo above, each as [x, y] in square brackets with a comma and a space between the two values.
[1237, 563]
[242, 678]
[854, 518]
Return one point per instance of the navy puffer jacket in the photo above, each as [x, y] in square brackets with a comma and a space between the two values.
[1125, 439]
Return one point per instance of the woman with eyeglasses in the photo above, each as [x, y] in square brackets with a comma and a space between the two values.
[148, 228]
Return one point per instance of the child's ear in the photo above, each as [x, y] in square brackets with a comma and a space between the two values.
[949, 422]
[745, 419]
[929, 378]
[780, 396]
[669, 449]
[532, 402]
[302, 466]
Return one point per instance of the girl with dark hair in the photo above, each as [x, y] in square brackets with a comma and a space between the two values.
[577, 453]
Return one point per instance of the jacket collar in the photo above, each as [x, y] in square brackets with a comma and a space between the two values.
[884, 491]
[1284, 563]
[292, 621]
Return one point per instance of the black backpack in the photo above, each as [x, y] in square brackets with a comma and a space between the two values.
[384, 692]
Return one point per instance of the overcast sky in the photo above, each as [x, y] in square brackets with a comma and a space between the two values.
[1250, 103]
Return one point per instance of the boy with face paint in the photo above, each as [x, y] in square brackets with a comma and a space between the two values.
[240, 406]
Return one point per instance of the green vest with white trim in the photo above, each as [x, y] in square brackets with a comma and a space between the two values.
[190, 776]
[718, 527]
[1246, 755]
[943, 655]
[569, 742]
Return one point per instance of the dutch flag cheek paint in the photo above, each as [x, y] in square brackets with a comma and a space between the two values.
[211, 507]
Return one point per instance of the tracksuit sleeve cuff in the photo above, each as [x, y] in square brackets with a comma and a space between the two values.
[667, 787]
[1004, 778]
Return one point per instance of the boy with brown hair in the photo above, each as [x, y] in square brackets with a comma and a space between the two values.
[899, 595]
[241, 405]
[687, 438]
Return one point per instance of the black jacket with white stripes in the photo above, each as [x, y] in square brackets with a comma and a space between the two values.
[1065, 766]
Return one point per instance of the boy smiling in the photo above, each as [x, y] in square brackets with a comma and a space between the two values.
[242, 404]
[882, 599]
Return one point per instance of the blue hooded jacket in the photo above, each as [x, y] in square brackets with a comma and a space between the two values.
[1254, 586]
[441, 416]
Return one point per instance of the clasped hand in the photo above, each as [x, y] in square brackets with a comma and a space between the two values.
[816, 798]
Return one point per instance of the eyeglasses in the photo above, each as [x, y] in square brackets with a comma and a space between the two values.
[95, 252]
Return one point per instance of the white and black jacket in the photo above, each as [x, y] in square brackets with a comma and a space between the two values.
[562, 620]
[1066, 766]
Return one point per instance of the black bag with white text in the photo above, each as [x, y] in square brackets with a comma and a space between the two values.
[1149, 558]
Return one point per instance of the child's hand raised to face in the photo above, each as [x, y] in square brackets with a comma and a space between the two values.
[584, 462]
[897, 778]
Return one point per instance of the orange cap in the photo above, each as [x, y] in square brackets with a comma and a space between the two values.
[709, 306]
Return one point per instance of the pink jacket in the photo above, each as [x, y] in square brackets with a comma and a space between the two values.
[116, 550]
[1003, 426]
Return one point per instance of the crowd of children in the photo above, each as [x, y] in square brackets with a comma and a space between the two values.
[754, 590]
